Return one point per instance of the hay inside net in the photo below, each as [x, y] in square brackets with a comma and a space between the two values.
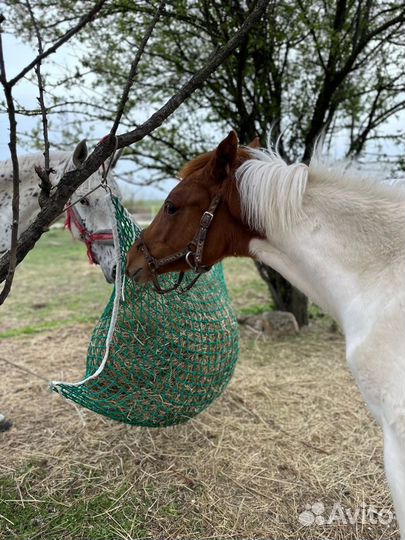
[169, 356]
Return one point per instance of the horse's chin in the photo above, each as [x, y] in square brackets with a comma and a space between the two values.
[109, 279]
[109, 274]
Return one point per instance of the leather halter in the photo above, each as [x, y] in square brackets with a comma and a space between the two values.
[102, 236]
[192, 254]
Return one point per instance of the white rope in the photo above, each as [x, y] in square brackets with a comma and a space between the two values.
[123, 288]
[54, 385]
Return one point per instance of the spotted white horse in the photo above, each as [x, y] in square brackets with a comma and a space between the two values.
[88, 220]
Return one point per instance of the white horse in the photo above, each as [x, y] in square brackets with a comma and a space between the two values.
[88, 219]
[336, 235]
[340, 238]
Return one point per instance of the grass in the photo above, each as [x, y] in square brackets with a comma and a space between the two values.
[28, 519]
[47, 293]
[290, 430]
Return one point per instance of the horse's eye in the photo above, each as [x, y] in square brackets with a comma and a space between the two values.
[170, 208]
[85, 201]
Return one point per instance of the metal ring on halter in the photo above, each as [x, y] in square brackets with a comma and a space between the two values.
[106, 187]
[190, 263]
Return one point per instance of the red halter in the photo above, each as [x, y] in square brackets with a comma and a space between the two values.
[103, 236]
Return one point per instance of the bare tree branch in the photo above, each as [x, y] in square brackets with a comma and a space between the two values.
[10, 266]
[73, 179]
[215, 59]
[89, 16]
[12, 261]
[44, 172]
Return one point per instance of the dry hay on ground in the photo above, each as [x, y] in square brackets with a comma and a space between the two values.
[290, 431]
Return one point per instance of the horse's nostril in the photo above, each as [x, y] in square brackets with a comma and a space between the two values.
[114, 272]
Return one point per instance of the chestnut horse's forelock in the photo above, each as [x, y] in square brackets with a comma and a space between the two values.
[197, 164]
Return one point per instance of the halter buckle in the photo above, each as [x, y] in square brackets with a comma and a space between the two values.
[206, 219]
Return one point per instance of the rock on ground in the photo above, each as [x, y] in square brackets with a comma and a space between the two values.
[272, 323]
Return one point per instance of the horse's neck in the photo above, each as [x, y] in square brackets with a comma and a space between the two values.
[347, 255]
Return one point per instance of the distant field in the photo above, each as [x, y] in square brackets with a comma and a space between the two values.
[151, 206]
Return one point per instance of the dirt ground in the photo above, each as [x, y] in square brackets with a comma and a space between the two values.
[289, 451]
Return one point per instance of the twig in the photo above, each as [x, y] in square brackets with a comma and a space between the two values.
[134, 67]
[213, 62]
[89, 16]
[43, 173]
[12, 259]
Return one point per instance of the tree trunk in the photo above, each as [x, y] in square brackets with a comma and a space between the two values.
[285, 296]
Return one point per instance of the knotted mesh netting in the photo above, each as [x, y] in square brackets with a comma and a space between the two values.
[169, 356]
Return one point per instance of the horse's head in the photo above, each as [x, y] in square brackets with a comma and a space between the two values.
[89, 219]
[201, 220]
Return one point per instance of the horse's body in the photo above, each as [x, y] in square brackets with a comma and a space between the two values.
[338, 237]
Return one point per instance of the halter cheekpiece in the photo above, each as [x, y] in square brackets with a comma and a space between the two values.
[192, 254]
[102, 236]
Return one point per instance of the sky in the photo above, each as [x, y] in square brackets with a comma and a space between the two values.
[18, 54]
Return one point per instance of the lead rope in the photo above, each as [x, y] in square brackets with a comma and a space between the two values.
[119, 283]
[23, 369]
[119, 290]
[106, 170]
[54, 385]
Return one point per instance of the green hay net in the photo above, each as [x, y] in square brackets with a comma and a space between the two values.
[169, 356]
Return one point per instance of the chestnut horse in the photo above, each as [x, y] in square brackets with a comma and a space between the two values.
[337, 236]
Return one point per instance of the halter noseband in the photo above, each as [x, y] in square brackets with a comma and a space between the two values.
[102, 236]
[192, 254]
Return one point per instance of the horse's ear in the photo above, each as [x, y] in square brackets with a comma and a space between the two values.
[255, 143]
[225, 154]
[80, 153]
[117, 156]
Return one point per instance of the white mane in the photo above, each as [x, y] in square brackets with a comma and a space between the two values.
[272, 192]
